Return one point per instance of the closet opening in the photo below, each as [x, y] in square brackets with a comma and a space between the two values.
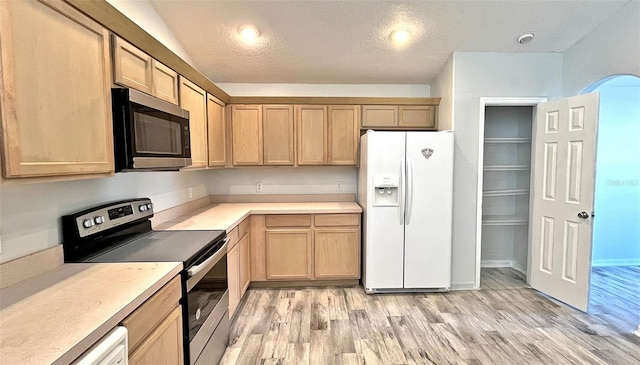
[505, 196]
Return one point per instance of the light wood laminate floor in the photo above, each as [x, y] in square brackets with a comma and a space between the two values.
[502, 278]
[615, 296]
[491, 326]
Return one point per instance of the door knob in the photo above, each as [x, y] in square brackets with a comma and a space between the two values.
[583, 215]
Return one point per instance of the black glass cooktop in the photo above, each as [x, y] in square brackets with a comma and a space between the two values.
[160, 246]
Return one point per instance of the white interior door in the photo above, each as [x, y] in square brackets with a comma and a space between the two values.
[562, 202]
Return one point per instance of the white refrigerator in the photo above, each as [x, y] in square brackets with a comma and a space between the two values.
[405, 188]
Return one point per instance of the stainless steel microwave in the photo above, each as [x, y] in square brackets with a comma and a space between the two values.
[150, 134]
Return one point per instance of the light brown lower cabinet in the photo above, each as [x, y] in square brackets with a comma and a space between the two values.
[238, 264]
[164, 345]
[155, 328]
[288, 253]
[290, 247]
[233, 277]
[336, 253]
[245, 264]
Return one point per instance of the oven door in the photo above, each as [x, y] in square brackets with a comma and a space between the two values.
[207, 303]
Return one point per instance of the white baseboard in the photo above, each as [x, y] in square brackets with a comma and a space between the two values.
[519, 268]
[616, 262]
[496, 263]
[469, 285]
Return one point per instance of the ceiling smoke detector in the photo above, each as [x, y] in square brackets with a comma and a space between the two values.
[524, 38]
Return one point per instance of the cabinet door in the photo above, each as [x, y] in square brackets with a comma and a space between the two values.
[258, 248]
[337, 253]
[55, 102]
[245, 264]
[217, 132]
[311, 122]
[131, 66]
[246, 131]
[277, 128]
[164, 345]
[165, 82]
[194, 99]
[233, 277]
[379, 116]
[344, 133]
[422, 116]
[288, 254]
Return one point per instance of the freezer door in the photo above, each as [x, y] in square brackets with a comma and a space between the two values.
[383, 244]
[428, 212]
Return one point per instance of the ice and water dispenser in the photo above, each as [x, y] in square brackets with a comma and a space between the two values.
[386, 190]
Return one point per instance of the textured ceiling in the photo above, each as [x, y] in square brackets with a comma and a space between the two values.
[347, 42]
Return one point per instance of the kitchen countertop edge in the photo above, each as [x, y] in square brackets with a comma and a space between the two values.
[240, 211]
[37, 289]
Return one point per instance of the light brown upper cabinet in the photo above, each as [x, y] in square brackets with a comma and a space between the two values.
[399, 117]
[194, 99]
[217, 132]
[311, 124]
[56, 97]
[422, 116]
[136, 69]
[295, 135]
[131, 66]
[246, 134]
[344, 133]
[165, 82]
[278, 137]
[379, 116]
[327, 135]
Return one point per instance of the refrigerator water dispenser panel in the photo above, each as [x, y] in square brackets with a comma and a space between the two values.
[385, 189]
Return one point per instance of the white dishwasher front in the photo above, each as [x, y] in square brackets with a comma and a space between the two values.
[112, 349]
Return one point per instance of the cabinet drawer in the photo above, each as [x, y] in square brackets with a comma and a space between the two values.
[336, 220]
[233, 238]
[146, 318]
[288, 220]
[243, 228]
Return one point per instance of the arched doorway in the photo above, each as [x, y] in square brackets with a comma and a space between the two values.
[615, 275]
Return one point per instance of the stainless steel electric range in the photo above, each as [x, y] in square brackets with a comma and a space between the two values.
[121, 232]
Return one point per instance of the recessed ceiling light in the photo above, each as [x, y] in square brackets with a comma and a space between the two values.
[249, 33]
[524, 38]
[400, 35]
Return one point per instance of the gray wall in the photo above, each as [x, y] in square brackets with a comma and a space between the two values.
[476, 75]
[30, 214]
[612, 48]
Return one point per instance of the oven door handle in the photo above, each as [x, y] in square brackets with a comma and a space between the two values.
[195, 270]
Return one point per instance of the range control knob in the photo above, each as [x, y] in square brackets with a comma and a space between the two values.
[87, 223]
[98, 219]
[149, 206]
[143, 207]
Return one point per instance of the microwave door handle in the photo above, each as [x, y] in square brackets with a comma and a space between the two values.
[195, 270]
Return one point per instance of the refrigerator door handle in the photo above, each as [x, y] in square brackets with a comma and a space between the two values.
[409, 194]
[401, 192]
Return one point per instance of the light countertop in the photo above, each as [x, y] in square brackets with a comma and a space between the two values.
[228, 215]
[56, 316]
